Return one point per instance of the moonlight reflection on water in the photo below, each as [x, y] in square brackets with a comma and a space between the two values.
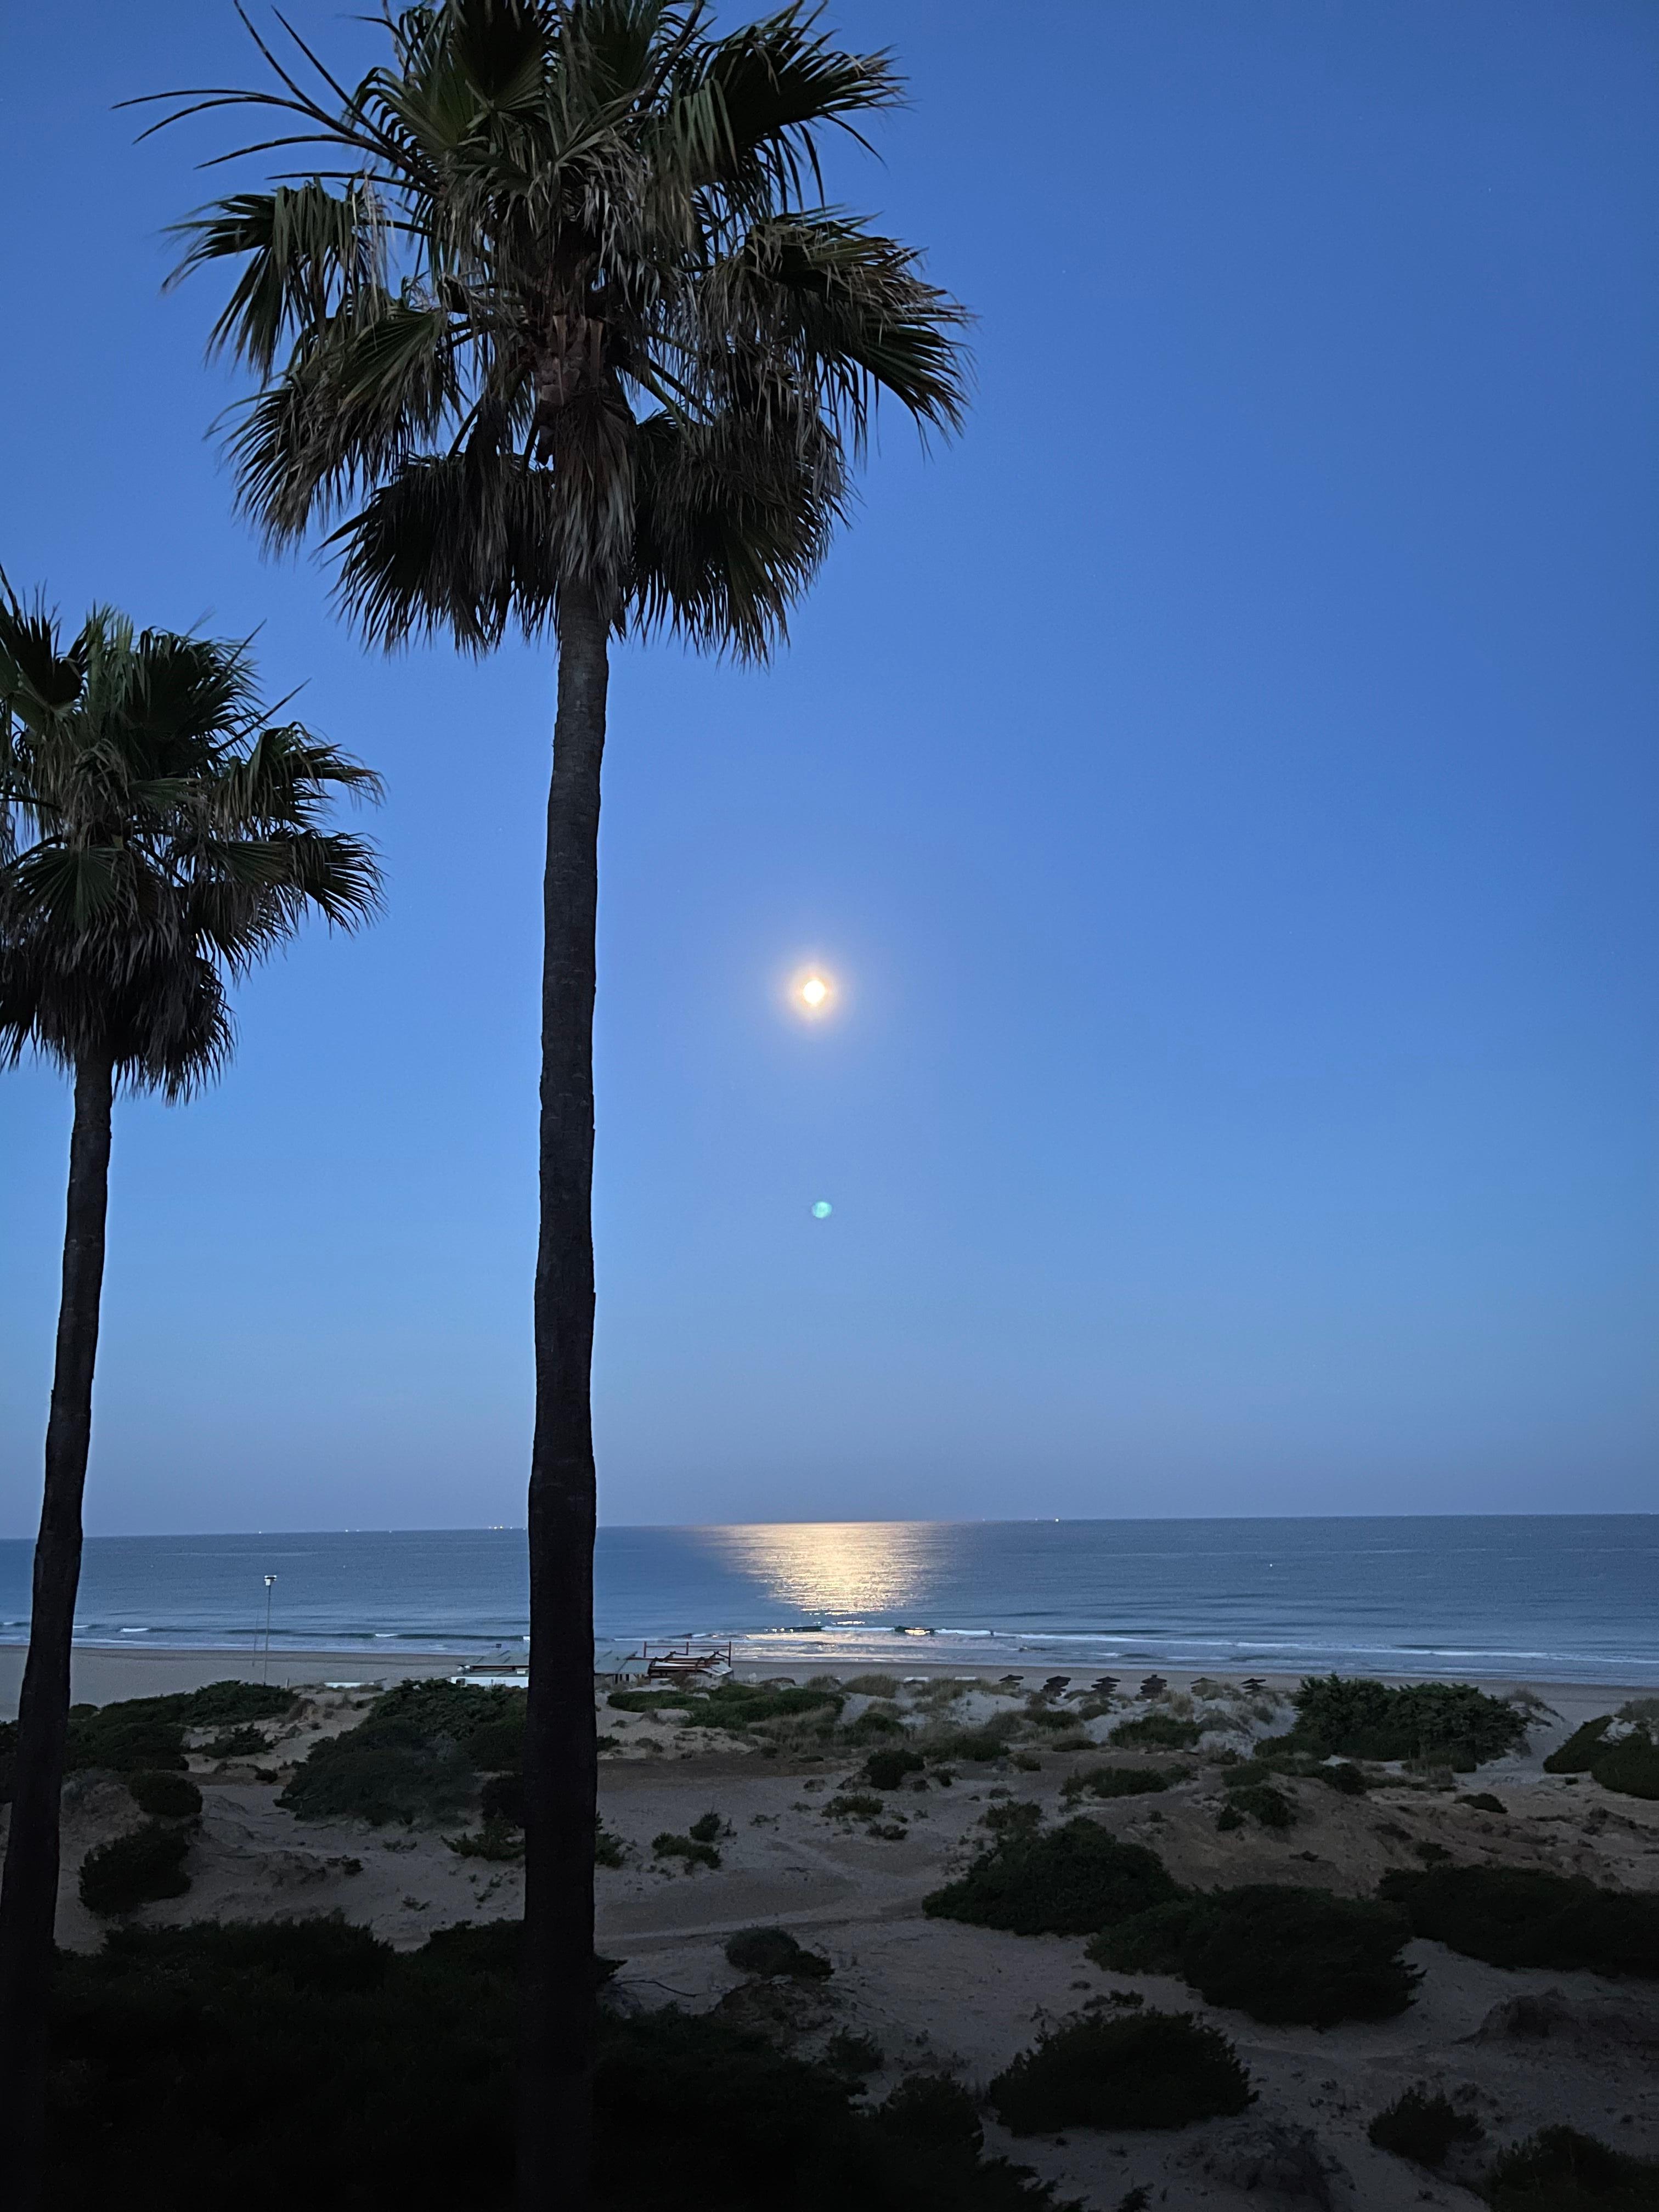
[838, 1570]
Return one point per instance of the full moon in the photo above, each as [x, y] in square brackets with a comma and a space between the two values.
[815, 990]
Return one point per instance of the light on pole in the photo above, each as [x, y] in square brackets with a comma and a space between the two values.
[265, 1671]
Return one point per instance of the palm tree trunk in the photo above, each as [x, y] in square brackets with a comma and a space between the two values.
[28, 1893]
[560, 1757]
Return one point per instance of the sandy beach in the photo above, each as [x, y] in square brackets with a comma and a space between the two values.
[939, 1994]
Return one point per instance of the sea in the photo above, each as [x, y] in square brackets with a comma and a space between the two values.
[1563, 1598]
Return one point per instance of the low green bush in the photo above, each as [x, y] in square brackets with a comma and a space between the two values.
[933, 2110]
[853, 1805]
[1630, 1766]
[243, 1742]
[1284, 1955]
[1155, 2069]
[166, 1796]
[706, 1828]
[1271, 1807]
[415, 1755]
[1447, 1723]
[870, 1726]
[1519, 1917]
[873, 1685]
[853, 2055]
[1423, 2125]
[746, 1704]
[136, 1870]
[502, 1798]
[775, 1951]
[496, 1840]
[1121, 1781]
[1156, 1732]
[1577, 1753]
[1070, 1881]
[1558, 2170]
[695, 1853]
[1013, 1819]
[609, 1848]
[1346, 1777]
[977, 1746]
[887, 1769]
[254, 2066]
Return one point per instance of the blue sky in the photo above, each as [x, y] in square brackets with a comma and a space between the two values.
[1224, 780]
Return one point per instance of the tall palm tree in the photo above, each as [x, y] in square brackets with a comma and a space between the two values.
[160, 832]
[557, 332]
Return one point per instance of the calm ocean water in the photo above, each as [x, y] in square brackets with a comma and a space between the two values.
[1560, 1598]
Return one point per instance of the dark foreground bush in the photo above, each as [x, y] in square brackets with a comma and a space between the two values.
[1558, 2170]
[1279, 1954]
[502, 1799]
[887, 1768]
[1447, 1722]
[1515, 1916]
[167, 1796]
[1071, 1882]
[135, 1869]
[271, 2065]
[775, 1951]
[1158, 2069]
[415, 1755]
[1423, 2125]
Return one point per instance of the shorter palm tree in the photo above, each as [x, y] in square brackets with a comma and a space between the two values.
[160, 832]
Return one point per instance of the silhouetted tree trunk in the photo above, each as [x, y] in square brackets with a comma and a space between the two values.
[560, 1757]
[28, 1893]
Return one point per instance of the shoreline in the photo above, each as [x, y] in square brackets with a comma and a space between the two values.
[106, 1674]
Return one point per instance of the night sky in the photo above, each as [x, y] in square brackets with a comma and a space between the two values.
[1222, 783]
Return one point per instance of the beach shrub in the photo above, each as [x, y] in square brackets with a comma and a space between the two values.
[1630, 1766]
[1228, 1817]
[775, 1951]
[932, 2108]
[1483, 1801]
[243, 1742]
[1263, 1802]
[1121, 1781]
[1070, 1881]
[706, 1828]
[1558, 2170]
[1154, 2070]
[496, 1840]
[887, 1769]
[502, 1798]
[1284, 1954]
[1577, 1754]
[1423, 2125]
[871, 1726]
[873, 1685]
[136, 1870]
[853, 2055]
[692, 1850]
[1351, 1781]
[854, 1804]
[166, 1796]
[609, 1848]
[415, 1755]
[746, 1705]
[267, 2065]
[1519, 1917]
[1156, 1732]
[1445, 1723]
